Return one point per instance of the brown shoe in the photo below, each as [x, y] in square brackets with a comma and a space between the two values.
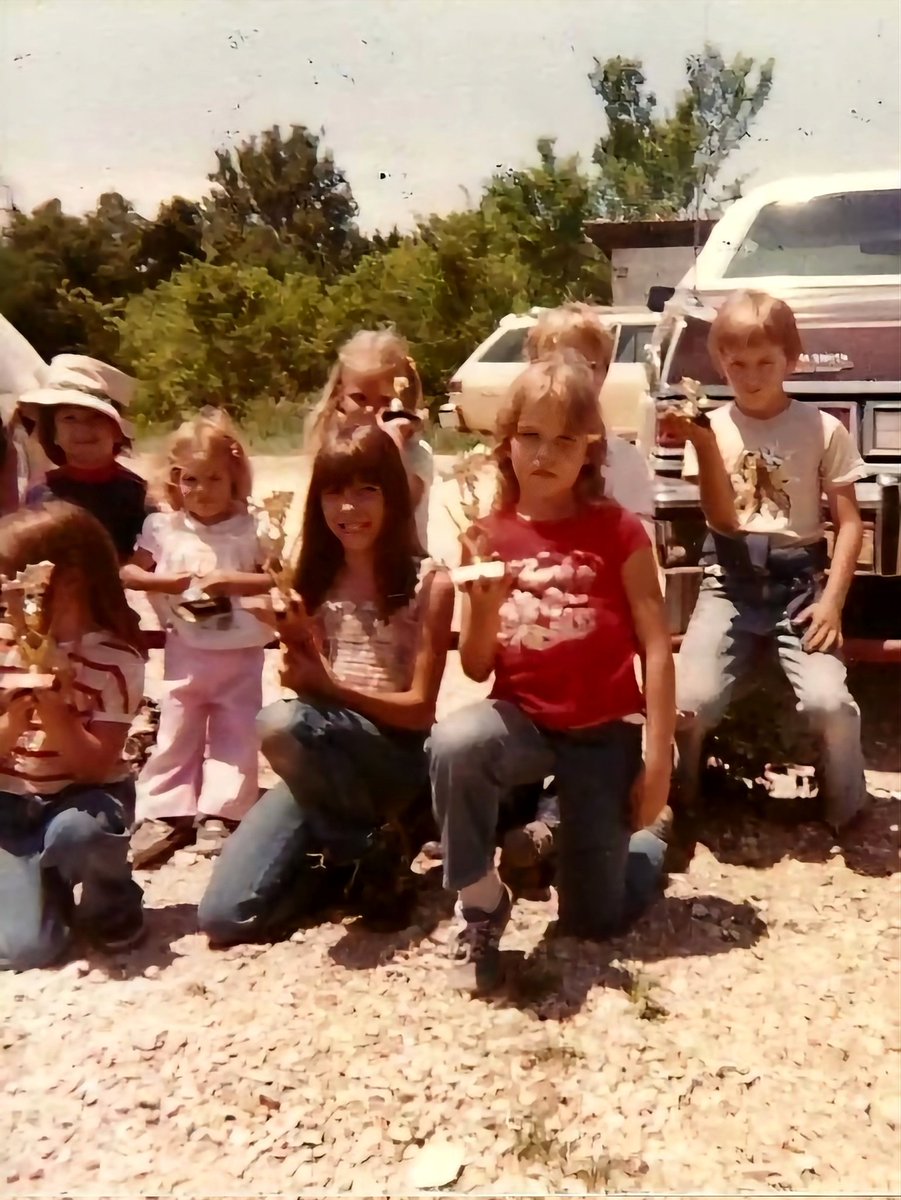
[154, 841]
[526, 864]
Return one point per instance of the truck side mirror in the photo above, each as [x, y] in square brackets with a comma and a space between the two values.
[658, 296]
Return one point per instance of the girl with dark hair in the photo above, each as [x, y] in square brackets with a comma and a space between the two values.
[66, 792]
[366, 640]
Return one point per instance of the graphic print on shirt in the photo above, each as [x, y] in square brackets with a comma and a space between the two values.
[761, 481]
[549, 602]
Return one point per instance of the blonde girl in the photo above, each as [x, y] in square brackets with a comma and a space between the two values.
[201, 778]
[370, 369]
[560, 632]
[66, 791]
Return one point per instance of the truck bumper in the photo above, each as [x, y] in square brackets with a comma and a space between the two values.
[450, 417]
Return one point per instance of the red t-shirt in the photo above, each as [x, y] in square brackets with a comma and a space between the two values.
[567, 643]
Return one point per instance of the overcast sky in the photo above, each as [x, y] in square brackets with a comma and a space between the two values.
[419, 98]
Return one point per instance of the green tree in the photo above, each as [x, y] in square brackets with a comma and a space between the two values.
[539, 213]
[282, 202]
[444, 287]
[222, 334]
[664, 164]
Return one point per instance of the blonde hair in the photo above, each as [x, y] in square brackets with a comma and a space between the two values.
[749, 318]
[573, 327]
[369, 352]
[211, 431]
[565, 382]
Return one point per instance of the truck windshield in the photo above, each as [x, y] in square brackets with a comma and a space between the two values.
[849, 233]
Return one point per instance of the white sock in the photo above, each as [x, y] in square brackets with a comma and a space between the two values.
[486, 894]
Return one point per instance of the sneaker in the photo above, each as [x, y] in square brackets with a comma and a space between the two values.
[477, 950]
[526, 864]
[119, 936]
[211, 833]
[154, 840]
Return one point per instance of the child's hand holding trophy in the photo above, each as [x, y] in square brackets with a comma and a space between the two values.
[35, 661]
[465, 473]
[682, 416]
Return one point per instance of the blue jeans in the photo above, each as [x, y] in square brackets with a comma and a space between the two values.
[48, 845]
[717, 654]
[479, 755]
[342, 777]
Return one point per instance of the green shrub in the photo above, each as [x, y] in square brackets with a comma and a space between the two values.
[229, 335]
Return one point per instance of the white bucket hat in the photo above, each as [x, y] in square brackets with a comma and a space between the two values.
[86, 383]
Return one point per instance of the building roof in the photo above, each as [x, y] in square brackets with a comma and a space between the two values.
[633, 235]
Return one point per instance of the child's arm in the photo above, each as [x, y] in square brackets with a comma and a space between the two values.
[481, 621]
[236, 583]
[90, 754]
[306, 671]
[824, 618]
[140, 574]
[717, 494]
[14, 720]
[639, 576]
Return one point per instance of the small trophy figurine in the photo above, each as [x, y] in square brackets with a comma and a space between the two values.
[36, 661]
[465, 472]
[694, 404]
[272, 517]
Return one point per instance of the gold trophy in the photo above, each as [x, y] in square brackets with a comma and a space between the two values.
[693, 404]
[36, 661]
[465, 473]
[272, 519]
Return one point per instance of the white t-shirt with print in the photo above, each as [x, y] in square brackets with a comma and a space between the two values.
[780, 467]
[419, 462]
[178, 544]
[627, 478]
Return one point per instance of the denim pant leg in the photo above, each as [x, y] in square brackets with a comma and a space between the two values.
[348, 774]
[595, 770]
[34, 931]
[268, 864]
[477, 755]
[714, 657]
[86, 841]
[819, 682]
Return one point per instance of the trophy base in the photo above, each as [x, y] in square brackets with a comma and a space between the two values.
[478, 570]
[25, 681]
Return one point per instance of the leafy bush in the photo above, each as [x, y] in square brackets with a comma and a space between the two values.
[227, 335]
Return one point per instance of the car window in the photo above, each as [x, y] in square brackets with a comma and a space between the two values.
[508, 348]
[850, 233]
[632, 341]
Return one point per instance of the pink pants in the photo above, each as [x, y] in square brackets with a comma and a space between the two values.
[205, 758]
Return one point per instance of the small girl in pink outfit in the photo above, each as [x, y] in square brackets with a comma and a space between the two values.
[201, 778]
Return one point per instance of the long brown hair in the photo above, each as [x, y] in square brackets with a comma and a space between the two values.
[365, 454]
[72, 539]
[563, 380]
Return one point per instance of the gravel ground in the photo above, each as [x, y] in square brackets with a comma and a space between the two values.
[744, 1037]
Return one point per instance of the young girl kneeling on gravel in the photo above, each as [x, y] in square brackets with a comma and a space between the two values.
[561, 631]
[66, 792]
[365, 650]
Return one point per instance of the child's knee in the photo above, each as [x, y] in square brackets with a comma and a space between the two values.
[463, 738]
[700, 691]
[69, 835]
[28, 945]
[823, 695]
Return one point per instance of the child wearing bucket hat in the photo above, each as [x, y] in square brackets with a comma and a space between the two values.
[81, 427]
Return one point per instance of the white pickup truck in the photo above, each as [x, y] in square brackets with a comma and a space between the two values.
[831, 247]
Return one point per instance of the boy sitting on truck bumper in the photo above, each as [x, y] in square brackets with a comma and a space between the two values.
[762, 463]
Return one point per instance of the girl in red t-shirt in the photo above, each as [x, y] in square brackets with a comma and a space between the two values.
[561, 631]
